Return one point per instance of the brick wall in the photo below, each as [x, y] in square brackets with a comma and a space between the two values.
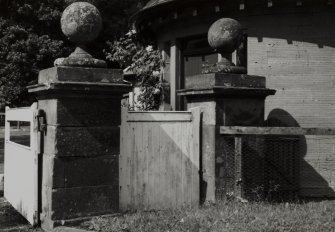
[296, 52]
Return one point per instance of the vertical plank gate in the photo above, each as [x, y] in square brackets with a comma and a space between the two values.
[21, 163]
[159, 160]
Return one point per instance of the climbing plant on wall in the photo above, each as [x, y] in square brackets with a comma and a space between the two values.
[145, 62]
[31, 39]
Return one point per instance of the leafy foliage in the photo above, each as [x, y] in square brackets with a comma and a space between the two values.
[145, 62]
[31, 39]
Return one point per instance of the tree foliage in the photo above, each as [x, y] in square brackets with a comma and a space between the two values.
[145, 62]
[31, 39]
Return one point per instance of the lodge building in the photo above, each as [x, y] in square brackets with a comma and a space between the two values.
[290, 42]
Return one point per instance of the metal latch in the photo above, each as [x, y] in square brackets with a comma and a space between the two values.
[41, 120]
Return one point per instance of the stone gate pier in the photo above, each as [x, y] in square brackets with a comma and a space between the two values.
[81, 102]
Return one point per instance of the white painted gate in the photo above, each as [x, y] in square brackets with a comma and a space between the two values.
[21, 165]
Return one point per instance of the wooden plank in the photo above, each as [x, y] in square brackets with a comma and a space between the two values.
[238, 167]
[184, 159]
[24, 114]
[181, 156]
[138, 160]
[156, 165]
[172, 165]
[195, 155]
[164, 180]
[188, 164]
[151, 152]
[168, 116]
[132, 167]
[275, 131]
[124, 178]
[34, 145]
[145, 166]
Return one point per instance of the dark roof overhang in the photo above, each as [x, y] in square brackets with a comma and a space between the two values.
[156, 9]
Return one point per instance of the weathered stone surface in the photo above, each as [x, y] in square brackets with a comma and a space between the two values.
[225, 35]
[80, 62]
[80, 74]
[81, 22]
[81, 112]
[68, 229]
[83, 201]
[82, 141]
[240, 111]
[224, 79]
[225, 100]
[72, 172]
[208, 107]
[52, 172]
[208, 163]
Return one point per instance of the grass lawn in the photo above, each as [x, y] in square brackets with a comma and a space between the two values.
[226, 216]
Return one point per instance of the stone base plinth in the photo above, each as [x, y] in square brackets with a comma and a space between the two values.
[225, 100]
[81, 144]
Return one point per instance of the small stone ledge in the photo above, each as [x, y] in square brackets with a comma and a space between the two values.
[78, 88]
[227, 91]
[68, 229]
[80, 74]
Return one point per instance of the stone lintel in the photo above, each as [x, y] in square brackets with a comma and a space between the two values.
[211, 80]
[227, 91]
[79, 89]
[80, 74]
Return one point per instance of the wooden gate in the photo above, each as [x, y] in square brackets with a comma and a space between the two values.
[159, 160]
[21, 162]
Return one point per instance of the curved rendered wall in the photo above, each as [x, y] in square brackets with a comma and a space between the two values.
[296, 53]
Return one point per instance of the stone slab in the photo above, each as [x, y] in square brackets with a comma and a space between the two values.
[69, 172]
[82, 141]
[81, 112]
[80, 74]
[219, 91]
[68, 229]
[240, 112]
[63, 89]
[225, 80]
[83, 201]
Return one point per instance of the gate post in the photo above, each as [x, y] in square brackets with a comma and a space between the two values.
[227, 97]
[81, 100]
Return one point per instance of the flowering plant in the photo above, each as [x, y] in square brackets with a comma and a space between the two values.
[143, 61]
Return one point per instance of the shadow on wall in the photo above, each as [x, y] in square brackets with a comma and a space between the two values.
[310, 27]
[311, 167]
[159, 160]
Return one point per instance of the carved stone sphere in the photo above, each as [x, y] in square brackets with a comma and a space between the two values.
[81, 22]
[225, 35]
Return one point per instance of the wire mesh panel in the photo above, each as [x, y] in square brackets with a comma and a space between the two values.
[277, 164]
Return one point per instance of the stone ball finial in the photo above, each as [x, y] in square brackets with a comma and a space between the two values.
[81, 22]
[225, 35]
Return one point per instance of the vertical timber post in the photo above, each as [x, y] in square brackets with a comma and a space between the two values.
[238, 187]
